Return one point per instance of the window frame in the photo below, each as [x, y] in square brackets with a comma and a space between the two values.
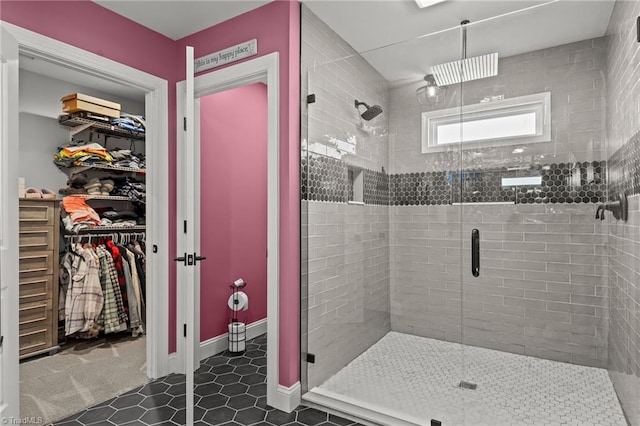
[538, 103]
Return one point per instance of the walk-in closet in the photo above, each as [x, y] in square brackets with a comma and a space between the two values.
[82, 233]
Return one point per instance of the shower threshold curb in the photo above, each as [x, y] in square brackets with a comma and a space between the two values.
[360, 410]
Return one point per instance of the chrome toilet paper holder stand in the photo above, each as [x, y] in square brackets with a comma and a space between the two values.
[236, 286]
[234, 341]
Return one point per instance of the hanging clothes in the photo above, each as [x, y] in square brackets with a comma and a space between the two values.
[135, 301]
[102, 289]
[113, 316]
[117, 260]
[84, 298]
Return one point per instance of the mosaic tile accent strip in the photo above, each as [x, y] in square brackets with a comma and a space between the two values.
[376, 187]
[560, 183]
[325, 179]
[624, 168]
[419, 378]
[328, 179]
[230, 390]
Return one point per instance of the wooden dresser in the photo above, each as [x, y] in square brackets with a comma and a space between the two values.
[38, 265]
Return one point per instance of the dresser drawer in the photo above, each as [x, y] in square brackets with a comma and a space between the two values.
[36, 239]
[34, 289]
[33, 312]
[34, 339]
[37, 213]
[32, 263]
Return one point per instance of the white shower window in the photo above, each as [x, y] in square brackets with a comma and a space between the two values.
[524, 119]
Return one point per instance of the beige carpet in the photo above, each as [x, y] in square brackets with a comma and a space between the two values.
[82, 374]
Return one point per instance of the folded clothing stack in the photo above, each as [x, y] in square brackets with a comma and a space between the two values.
[128, 187]
[77, 214]
[80, 155]
[75, 155]
[134, 123]
[125, 158]
[122, 218]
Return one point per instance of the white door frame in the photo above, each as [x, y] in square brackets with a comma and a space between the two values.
[264, 69]
[157, 182]
[9, 377]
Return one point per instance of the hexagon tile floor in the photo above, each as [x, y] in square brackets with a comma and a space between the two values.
[418, 378]
[230, 391]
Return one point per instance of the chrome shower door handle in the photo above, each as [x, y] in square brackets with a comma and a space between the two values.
[475, 253]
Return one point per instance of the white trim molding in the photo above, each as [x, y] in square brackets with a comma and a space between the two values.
[215, 345]
[157, 148]
[9, 288]
[288, 398]
[512, 121]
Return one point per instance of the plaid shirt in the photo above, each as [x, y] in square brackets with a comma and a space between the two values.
[109, 318]
[84, 297]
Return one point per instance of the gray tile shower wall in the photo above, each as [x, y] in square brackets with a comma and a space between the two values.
[573, 73]
[345, 271]
[624, 168]
[541, 290]
[348, 297]
[623, 124]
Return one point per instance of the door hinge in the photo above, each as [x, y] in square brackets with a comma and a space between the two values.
[184, 329]
[1, 340]
[184, 123]
[185, 226]
[311, 358]
[311, 98]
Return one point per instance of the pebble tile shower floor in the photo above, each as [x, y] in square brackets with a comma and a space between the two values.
[230, 391]
[419, 378]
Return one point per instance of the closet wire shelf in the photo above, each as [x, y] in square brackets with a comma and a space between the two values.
[101, 197]
[103, 229]
[102, 127]
[79, 169]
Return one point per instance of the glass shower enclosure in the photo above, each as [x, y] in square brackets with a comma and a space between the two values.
[453, 268]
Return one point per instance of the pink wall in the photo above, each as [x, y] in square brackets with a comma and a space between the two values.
[88, 26]
[277, 27]
[233, 164]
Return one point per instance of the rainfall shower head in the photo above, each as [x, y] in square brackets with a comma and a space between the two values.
[371, 112]
[467, 69]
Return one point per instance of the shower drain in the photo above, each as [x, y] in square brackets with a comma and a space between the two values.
[467, 385]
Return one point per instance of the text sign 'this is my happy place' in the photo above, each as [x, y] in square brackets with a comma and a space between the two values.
[230, 54]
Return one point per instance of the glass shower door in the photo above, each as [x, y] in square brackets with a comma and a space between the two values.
[533, 170]
[345, 222]
[381, 246]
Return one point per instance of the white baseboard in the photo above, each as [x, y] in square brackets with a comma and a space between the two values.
[288, 398]
[220, 343]
[174, 364]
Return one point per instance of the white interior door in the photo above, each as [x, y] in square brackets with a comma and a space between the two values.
[188, 258]
[9, 389]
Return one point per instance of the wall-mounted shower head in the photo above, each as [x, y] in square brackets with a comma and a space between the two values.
[371, 111]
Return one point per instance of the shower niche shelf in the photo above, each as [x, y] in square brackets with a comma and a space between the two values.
[356, 185]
